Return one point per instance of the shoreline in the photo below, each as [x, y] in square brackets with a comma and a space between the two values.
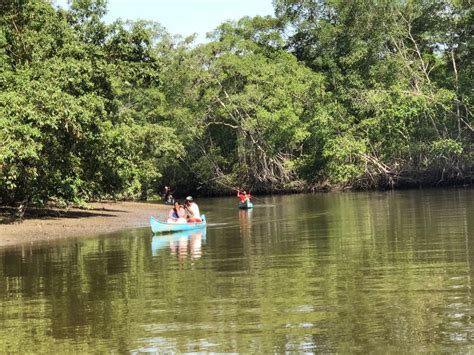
[100, 218]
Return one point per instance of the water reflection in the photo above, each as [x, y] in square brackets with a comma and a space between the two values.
[332, 273]
[181, 244]
[245, 222]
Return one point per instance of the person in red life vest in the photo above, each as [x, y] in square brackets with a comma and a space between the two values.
[243, 196]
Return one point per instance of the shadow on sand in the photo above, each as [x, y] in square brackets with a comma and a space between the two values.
[9, 215]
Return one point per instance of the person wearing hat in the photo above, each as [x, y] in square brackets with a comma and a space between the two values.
[193, 210]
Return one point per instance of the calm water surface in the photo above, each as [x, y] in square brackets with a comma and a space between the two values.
[349, 272]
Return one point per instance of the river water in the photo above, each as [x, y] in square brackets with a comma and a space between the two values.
[339, 272]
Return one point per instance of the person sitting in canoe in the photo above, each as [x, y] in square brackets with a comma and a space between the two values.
[192, 210]
[243, 196]
[177, 214]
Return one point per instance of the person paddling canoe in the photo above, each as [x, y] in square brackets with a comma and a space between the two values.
[192, 210]
[243, 196]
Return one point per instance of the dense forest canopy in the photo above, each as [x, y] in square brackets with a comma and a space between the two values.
[326, 94]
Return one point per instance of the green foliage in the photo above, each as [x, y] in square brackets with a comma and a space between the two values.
[399, 71]
[365, 92]
[75, 121]
[254, 106]
[343, 155]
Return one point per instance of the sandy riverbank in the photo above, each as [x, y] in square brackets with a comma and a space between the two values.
[101, 218]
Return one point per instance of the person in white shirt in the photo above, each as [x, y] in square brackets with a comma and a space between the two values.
[193, 210]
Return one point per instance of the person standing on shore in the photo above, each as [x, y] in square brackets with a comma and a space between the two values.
[167, 196]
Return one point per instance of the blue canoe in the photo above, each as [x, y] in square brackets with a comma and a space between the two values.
[160, 226]
[245, 205]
